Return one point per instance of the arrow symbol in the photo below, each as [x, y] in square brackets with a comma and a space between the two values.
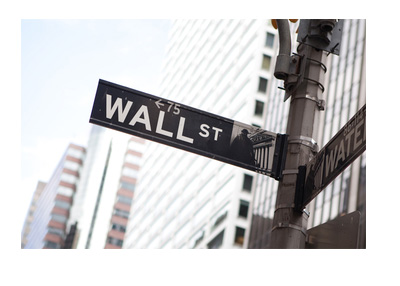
[158, 103]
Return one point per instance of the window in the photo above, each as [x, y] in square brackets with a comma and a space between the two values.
[197, 238]
[239, 235]
[269, 40]
[220, 219]
[62, 190]
[118, 227]
[247, 182]
[217, 241]
[114, 241]
[121, 213]
[50, 244]
[129, 172]
[132, 159]
[124, 200]
[74, 166]
[259, 108]
[75, 153]
[68, 178]
[59, 218]
[62, 204]
[243, 208]
[56, 231]
[127, 186]
[262, 86]
[266, 63]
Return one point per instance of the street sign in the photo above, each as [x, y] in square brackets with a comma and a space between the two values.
[339, 233]
[333, 159]
[180, 126]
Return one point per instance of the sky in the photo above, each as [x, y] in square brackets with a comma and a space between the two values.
[61, 64]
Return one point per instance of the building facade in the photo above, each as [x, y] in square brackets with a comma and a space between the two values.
[50, 208]
[31, 213]
[87, 201]
[105, 192]
[185, 200]
[344, 95]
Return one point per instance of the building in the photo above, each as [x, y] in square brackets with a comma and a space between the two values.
[31, 211]
[224, 67]
[345, 94]
[86, 203]
[104, 194]
[185, 200]
[46, 222]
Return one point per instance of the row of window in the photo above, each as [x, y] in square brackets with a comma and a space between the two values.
[127, 186]
[218, 240]
[59, 218]
[128, 172]
[65, 191]
[114, 241]
[79, 154]
[203, 211]
[118, 227]
[51, 245]
[121, 213]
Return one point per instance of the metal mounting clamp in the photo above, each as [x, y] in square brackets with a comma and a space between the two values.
[289, 225]
[320, 102]
[304, 140]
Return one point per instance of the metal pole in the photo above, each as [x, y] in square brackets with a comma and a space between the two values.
[289, 226]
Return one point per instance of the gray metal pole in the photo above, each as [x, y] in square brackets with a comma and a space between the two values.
[289, 226]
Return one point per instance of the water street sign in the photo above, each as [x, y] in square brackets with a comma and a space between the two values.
[174, 124]
[334, 158]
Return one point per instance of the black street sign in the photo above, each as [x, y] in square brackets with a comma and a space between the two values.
[339, 233]
[333, 159]
[174, 124]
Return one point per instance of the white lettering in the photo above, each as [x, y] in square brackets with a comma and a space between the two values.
[160, 122]
[341, 155]
[357, 143]
[204, 128]
[330, 161]
[216, 133]
[180, 131]
[122, 113]
[145, 120]
[348, 137]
